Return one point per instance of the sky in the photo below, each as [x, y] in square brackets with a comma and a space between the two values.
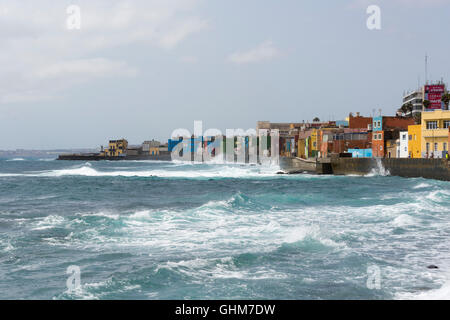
[141, 69]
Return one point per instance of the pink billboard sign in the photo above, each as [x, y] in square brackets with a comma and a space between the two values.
[433, 93]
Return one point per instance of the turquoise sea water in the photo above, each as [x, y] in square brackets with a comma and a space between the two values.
[160, 230]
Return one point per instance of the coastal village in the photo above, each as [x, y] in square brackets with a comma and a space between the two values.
[419, 129]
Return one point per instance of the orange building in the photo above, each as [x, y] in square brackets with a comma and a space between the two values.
[387, 128]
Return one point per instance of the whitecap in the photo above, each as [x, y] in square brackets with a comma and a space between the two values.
[422, 186]
[442, 293]
[404, 220]
[48, 222]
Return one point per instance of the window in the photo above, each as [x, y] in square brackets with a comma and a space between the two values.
[410, 137]
[379, 124]
[435, 146]
[428, 147]
[444, 146]
[403, 136]
[446, 124]
[431, 125]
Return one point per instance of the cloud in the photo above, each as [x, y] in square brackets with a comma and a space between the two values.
[404, 3]
[263, 52]
[174, 36]
[40, 57]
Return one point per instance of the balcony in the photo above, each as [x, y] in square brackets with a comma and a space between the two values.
[435, 133]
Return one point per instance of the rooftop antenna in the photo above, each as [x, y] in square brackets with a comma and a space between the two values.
[373, 113]
[426, 68]
[379, 110]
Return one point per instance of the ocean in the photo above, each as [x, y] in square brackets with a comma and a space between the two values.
[162, 230]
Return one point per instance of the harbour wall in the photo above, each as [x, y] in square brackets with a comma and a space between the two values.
[293, 165]
[438, 169]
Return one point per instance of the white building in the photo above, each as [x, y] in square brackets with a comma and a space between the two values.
[416, 99]
[402, 151]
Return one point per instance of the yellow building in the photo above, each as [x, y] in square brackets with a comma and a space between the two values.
[314, 147]
[415, 141]
[151, 147]
[435, 128]
[301, 148]
[154, 151]
[116, 148]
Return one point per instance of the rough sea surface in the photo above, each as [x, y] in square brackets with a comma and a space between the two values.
[161, 230]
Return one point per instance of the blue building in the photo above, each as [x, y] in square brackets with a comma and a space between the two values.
[361, 153]
[377, 124]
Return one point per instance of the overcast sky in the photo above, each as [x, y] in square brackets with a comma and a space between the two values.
[140, 69]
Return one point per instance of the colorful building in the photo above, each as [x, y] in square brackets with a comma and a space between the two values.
[415, 141]
[359, 122]
[151, 147]
[392, 148]
[402, 151]
[304, 144]
[117, 148]
[388, 128]
[313, 147]
[360, 153]
[435, 130]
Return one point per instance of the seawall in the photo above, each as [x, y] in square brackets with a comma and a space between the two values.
[293, 165]
[438, 169]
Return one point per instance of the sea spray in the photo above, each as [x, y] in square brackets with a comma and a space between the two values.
[379, 170]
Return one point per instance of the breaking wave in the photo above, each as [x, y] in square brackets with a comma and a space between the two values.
[182, 172]
[380, 170]
[257, 236]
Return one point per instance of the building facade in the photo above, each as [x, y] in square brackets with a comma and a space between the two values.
[415, 141]
[117, 148]
[435, 129]
[359, 122]
[392, 148]
[388, 128]
[151, 147]
[415, 98]
[403, 147]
